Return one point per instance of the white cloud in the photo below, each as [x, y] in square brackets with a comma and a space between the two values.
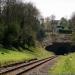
[57, 7]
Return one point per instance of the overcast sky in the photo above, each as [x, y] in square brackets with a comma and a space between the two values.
[60, 8]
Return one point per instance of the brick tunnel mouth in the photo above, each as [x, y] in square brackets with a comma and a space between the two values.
[61, 48]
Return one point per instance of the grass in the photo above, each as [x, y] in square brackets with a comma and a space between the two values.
[9, 56]
[13, 56]
[41, 53]
[64, 66]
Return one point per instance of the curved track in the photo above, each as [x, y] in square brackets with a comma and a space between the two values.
[18, 69]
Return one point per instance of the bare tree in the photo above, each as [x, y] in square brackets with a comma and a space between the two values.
[52, 19]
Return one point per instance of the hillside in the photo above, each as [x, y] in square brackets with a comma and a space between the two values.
[8, 56]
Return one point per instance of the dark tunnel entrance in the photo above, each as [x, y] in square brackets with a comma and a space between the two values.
[61, 48]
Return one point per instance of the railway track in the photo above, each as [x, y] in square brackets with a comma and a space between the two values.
[18, 69]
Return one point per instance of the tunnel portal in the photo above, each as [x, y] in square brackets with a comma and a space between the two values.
[61, 48]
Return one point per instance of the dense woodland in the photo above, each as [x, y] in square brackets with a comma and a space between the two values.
[21, 24]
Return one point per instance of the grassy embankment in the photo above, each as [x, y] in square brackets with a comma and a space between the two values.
[64, 66]
[14, 56]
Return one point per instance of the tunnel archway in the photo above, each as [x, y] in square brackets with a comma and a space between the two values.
[60, 48]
